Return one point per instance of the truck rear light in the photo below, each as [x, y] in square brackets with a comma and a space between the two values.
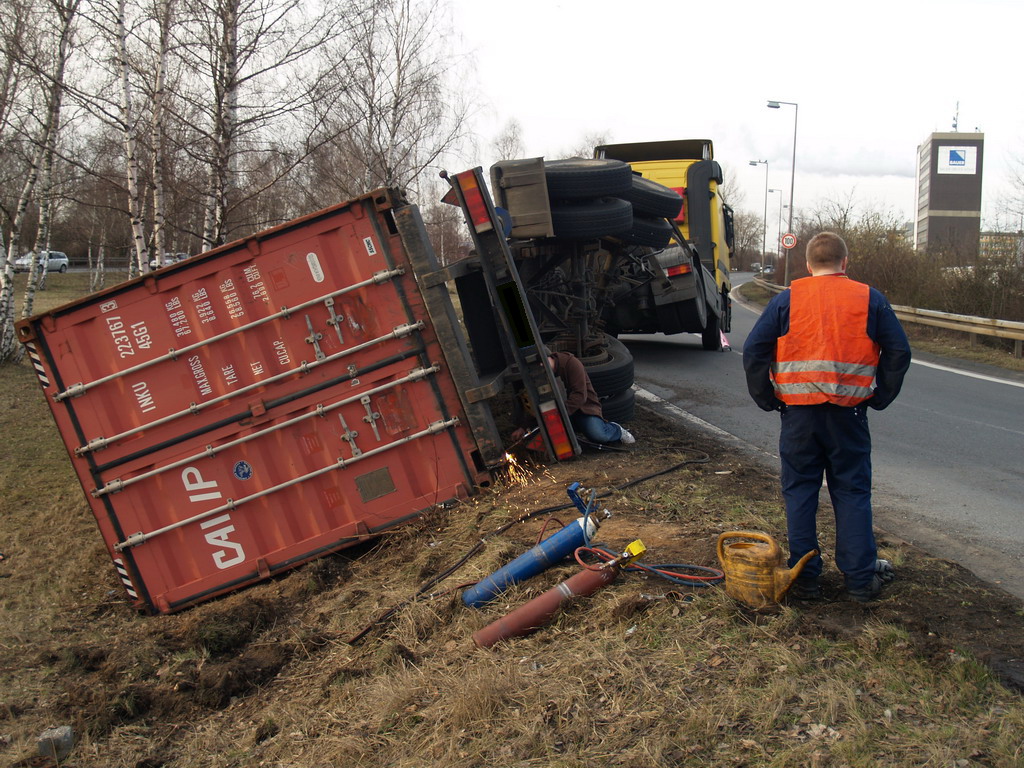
[475, 203]
[679, 269]
[681, 218]
[556, 430]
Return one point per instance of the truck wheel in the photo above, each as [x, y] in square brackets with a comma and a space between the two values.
[620, 407]
[594, 218]
[582, 179]
[711, 336]
[654, 233]
[649, 198]
[614, 372]
[693, 314]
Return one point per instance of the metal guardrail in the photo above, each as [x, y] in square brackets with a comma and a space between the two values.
[984, 326]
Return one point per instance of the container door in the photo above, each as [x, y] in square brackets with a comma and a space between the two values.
[256, 406]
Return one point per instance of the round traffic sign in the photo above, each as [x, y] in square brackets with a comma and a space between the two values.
[788, 241]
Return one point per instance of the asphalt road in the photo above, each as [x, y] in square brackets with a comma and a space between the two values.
[948, 455]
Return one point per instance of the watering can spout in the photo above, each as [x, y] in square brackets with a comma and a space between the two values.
[784, 577]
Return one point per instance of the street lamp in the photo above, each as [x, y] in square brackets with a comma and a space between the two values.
[792, 176]
[778, 249]
[764, 232]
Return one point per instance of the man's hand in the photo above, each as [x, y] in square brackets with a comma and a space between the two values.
[519, 434]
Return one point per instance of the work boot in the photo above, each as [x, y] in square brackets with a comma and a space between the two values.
[868, 593]
[805, 589]
[884, 573]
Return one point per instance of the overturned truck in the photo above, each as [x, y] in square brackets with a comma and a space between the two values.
[635, 240]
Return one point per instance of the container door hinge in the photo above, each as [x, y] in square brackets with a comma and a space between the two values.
[314, 339]
[371, 416]
[349, 436]
[335, 320]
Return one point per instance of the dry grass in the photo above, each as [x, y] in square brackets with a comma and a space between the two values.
[640, 674]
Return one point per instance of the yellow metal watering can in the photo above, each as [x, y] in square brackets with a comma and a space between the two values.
[754, 573]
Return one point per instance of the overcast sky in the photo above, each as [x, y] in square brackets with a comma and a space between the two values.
[872, 81]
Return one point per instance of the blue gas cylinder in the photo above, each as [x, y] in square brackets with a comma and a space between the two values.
[553, 549]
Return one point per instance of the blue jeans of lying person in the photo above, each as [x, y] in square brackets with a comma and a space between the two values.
[833, 441]
[594, 428]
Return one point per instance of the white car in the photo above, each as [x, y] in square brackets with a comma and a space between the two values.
[169, 258]
[57, 261]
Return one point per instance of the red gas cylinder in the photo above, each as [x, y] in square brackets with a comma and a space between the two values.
[542, 609]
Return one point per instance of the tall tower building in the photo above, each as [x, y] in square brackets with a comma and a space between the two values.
[949, 195]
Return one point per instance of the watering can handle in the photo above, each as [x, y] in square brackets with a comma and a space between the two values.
[774, 550]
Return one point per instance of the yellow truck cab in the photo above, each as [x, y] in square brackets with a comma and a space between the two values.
[688, 167]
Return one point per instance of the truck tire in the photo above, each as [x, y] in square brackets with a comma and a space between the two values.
[579, 178]
[711, 336]
[593, 218]
[693, 314]
[649, 198]
[620, 407]
[611, 371]
[654, 233]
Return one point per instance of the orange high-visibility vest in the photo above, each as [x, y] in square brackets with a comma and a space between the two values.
[827, 355]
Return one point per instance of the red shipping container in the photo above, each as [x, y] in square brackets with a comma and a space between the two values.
[251, 408]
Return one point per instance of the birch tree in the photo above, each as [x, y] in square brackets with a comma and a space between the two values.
[258, 65]
[120, 102]
[14, 24]
[64, 17]
[130, 127]
[164, 13]
[44, 64]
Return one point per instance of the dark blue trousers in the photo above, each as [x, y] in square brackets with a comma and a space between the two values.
[833, 441]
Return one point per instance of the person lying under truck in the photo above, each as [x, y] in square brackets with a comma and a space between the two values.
[581, 402]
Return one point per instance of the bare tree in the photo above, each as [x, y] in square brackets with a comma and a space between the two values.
[747, 236]
[256, 64]
[834, 214]
[444, 223]
[586, 146]
[164, 13]
[402, 112]
[64, 15]
[46, 62]
[1013, 206]
[130, 128]
[15, 21]
[508, 145]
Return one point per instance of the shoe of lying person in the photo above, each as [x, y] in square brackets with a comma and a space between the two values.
[626, 437]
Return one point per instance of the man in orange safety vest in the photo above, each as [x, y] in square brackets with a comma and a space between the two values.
[821, 353]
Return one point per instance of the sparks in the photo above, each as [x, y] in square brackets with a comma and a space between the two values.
[516, 473]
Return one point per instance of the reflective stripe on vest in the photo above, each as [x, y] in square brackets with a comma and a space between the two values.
[827, 356]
